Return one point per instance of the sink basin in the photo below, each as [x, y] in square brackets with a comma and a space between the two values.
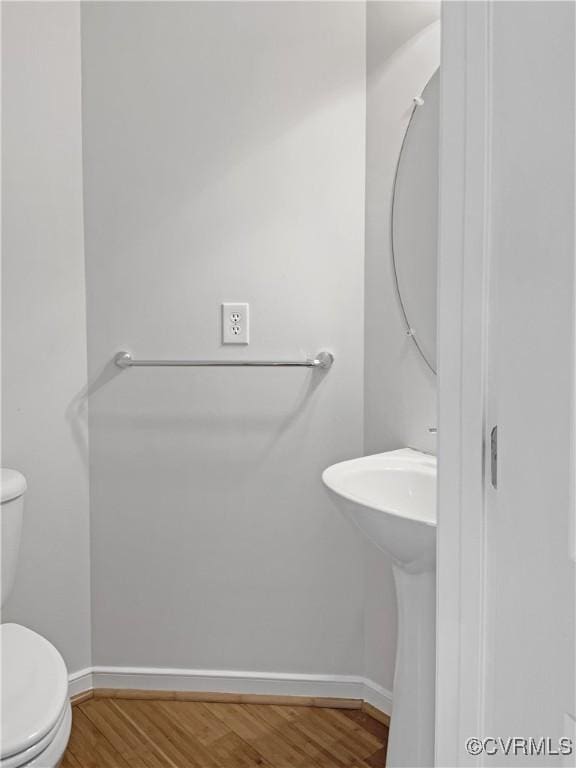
[391, 498]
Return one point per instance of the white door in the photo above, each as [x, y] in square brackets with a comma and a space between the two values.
[506, 598]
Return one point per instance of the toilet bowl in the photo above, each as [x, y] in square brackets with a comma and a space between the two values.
[36, 713]
[35, 709]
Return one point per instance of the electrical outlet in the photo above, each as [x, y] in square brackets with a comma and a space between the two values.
[235, 323]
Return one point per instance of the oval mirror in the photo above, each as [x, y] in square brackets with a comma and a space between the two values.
[415, 222]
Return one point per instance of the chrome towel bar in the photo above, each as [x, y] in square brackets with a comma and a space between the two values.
[322, 360]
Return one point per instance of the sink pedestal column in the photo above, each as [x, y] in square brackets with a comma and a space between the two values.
[411, 742]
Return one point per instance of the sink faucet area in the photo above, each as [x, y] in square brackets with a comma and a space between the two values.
[391, 498]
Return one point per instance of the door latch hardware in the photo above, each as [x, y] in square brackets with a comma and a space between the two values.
[494, 457]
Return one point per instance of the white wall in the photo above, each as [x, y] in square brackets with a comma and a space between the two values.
[43, 319]
[205, 483]
[400, 391]
[224, 160]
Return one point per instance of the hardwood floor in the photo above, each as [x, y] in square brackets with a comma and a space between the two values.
[117, 733]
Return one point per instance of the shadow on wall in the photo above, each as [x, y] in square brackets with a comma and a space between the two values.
[77, 410]
[77, 414]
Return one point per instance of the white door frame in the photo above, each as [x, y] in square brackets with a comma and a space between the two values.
[463, 387]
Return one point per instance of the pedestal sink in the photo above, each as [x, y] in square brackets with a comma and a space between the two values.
[391, 497]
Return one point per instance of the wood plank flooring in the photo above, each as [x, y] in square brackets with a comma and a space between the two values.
[117, 733]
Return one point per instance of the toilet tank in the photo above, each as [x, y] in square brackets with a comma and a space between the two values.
[12, 489]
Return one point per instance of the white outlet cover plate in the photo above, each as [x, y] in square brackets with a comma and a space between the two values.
[235, 323]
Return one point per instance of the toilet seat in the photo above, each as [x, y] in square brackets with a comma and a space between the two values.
[49, 750]
[34, 689]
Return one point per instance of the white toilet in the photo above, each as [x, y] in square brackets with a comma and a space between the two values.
[35, 709]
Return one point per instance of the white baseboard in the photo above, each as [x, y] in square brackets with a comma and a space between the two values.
[80, 682]
[379, 697]
[224, 681]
